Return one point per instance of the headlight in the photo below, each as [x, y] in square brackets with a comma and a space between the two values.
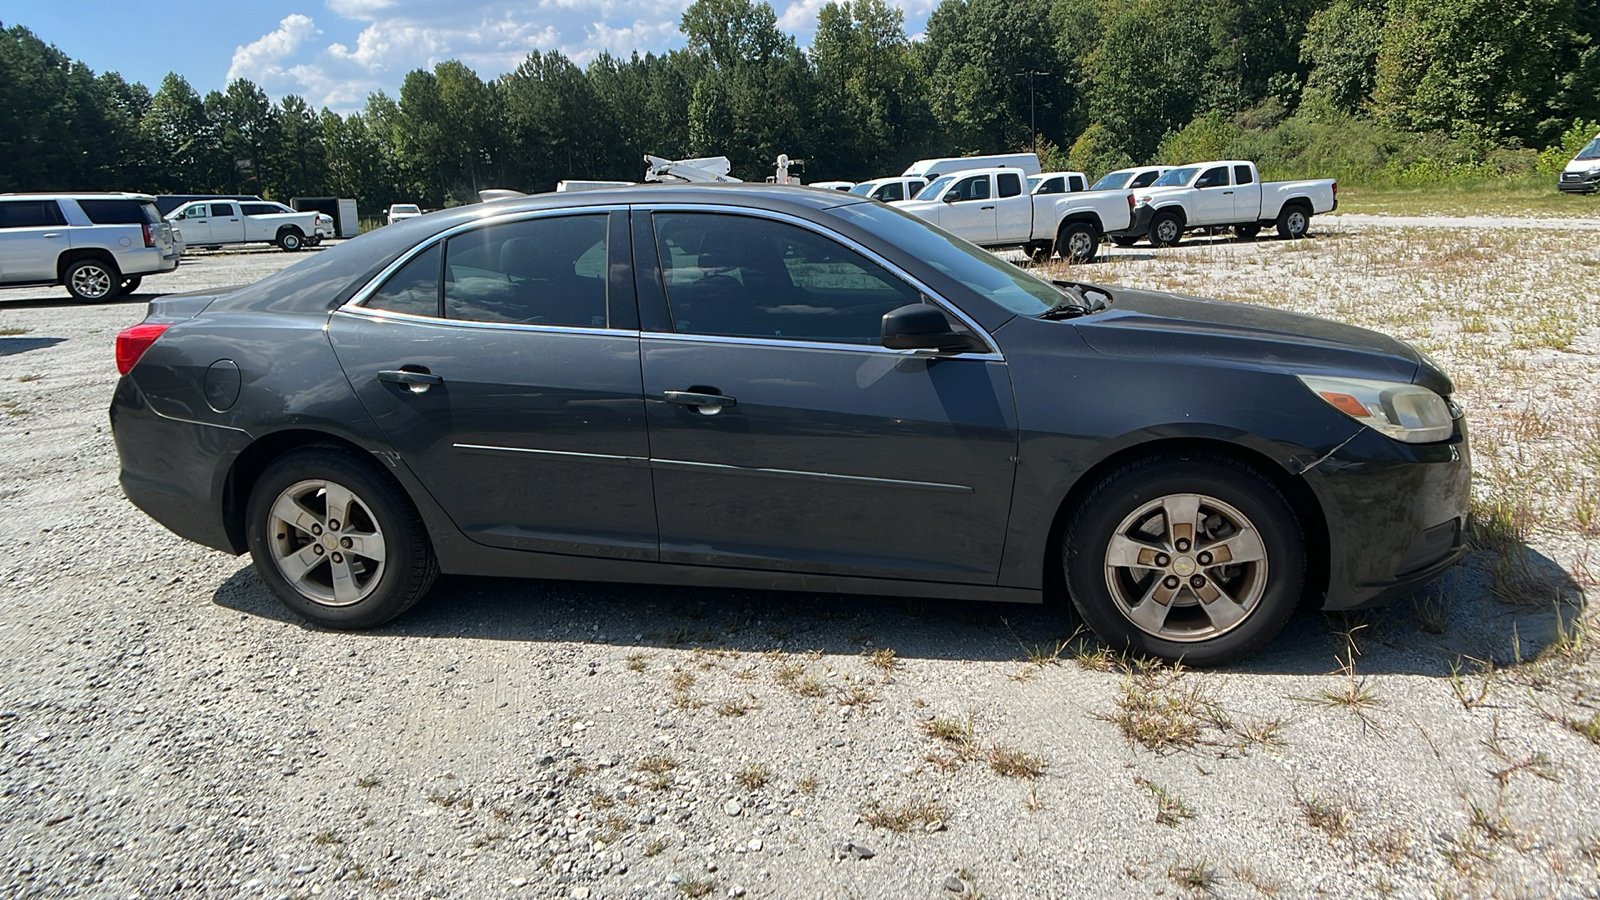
[1405, 412]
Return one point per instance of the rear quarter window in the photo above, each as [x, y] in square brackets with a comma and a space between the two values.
[115, 212]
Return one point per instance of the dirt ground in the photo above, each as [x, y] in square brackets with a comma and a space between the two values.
[167, 729]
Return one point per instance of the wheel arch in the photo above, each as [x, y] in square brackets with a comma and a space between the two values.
[287, 228]
[1089, 218]
[254, 459]
[1173, 208]
[1307, 509]
[68, 257]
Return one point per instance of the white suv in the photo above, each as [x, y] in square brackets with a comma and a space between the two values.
[95, 245]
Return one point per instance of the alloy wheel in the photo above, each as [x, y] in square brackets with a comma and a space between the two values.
[326, 542]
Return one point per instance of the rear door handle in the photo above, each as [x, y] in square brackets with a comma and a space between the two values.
[416, 382]
[54, 234]
[705, 404]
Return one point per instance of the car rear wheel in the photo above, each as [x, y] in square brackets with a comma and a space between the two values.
[336, 541]
[92, 279]
[1293, 222]
[1077, 242]
[290, 241]
[1166, 230]
[1195, 557]
[1247, 232]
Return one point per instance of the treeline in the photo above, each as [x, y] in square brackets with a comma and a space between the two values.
[1368, 90]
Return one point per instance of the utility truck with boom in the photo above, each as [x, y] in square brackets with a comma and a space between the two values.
[992, 208]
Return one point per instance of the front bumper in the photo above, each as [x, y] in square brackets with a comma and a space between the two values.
[1579, 182]
[1396, 514]
[1140, 226]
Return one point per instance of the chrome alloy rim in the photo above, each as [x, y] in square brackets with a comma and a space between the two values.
[1297, 223]
[1167, 230]
[326, 543]
[1186, 567]
[1080, 243]
[91, 281]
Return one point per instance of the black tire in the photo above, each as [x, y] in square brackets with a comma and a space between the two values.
[1125, 240]
[130, 284]
[1294, 220]
[1077, 242]
[1235, 507]
[92, 280]
[1039, 251]
[314, 241]
[376, 590]
[1247, 232]
[291, 240]
[1166, 229]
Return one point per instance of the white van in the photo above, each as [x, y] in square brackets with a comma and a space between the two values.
[1582, 175]
[933, 168]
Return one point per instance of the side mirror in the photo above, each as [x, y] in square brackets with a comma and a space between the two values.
[950, 197]
[918, 326]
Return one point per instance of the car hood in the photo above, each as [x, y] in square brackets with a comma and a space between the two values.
[1582, 165]
[1157, 325]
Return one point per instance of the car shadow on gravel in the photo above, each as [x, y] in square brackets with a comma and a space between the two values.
[11, 346]
[7, 304]
[1484, 611]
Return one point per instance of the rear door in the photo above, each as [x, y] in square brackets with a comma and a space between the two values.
[784, 436]
[227, 225]
[503, 365]
[971, 210]
[1014, 209]
[1247, 194]
[33, 235]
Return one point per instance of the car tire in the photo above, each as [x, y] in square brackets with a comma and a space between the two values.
[130, 284]
[1247, 232]
[1166, 229]
[1039, 251]
[1152, 529]
[314, 241]
[1077, 242]
[1125, 240]
[1294, 221]
[355, 569]
[92, 280]
[291, 240]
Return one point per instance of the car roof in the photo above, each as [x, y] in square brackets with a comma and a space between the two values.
[79, 195]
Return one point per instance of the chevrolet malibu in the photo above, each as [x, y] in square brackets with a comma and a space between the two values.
[781, 388]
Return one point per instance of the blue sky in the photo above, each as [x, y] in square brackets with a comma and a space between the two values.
[335, 52]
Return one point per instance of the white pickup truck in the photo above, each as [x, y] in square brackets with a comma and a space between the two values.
[1227, 194]
[992, 208]
[213, 223]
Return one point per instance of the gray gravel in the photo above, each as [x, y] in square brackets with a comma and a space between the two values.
[166, 729]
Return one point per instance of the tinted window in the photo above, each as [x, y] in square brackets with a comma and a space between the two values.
[30, 214]
[862, 189]
[414, 289]
[222, 210]
[114, 212]
[1077, 183]
[1010, 184]
[548, 271]
[1213, 178]
[1051, 186]
[917, 184]
[1241, 175]
[741, 276]
[260, 209]
[974, 188]
[890, 191]
[1145, 179]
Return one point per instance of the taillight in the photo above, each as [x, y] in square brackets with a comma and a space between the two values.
[1130, 203]
[133, 342]
[1336, 190]
[149, 238]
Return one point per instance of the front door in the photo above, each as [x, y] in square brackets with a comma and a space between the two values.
[1213, 203]
[503, 365]
[971, 211]
[194, 221]
[784, 436]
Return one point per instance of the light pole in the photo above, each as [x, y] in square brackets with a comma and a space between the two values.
[1033, 123]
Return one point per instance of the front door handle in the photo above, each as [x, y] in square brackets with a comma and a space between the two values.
[416, 382]
[705, 404]
[1227, 193]
[985, 207]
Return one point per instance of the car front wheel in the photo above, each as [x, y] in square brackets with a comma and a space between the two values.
[336, 541]
[1195, 557]
[1166, 230]
[92, 280]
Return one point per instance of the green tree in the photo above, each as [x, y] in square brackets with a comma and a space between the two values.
[868, 91]
[1341, 48]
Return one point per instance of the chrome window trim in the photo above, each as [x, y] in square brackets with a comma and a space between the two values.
[938, 300]
[371, 287]
[813, 345]
[401, 318]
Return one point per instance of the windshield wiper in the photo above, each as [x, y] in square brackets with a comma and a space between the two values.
[1081, 304]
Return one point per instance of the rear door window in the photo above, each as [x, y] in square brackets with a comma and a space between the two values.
[30, 214]
[260, 209]
[889, 192]
[1077, 183]
[1010, 184]
[546, 271]
[222, 210]
[1241, 175]
[1144, 179]
[414, 289]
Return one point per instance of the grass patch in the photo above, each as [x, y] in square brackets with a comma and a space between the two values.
[733, 707]
[1324, 815]
[902, 817]
[753, 777]
[1013, 763]
[1170, 808]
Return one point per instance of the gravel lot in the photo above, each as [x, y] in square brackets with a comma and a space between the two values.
[167, 730]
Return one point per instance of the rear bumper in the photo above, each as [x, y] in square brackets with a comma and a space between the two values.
[1396, 513]
[146, 261]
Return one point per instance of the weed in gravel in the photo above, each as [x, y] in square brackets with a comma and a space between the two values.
[856, 695]
[1353, 692]
[29, 377]
[1391, 846]
[884, 660]
[753, 777]
[326, 838]
[447, 800]
[1013, 763]
[1196, 879]
[733, 707]
[1265, 885]
[386, 883]
[1588, 728]
[655, 847]
[810, 686]
[1324, 815]
[807, 784]
[1266, 734]
[636, 661]
[1433, 610]
[1170, 808]
[1468, 696]
[902, 817]
[13, 331]
[788, 674]
[368, 781]
[1159, 710]
[1537, 763]
[656, 771]
[1493, 824]
[697, 887]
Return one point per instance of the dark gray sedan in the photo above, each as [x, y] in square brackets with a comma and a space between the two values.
[766, 387]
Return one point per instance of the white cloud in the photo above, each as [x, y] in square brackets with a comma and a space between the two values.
[261, 60]
[800, 15]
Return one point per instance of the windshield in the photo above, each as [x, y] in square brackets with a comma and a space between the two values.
[1115, 181]
[863, 189]
[1033, 182]
[1592, 151]
[405, 208]
[971, 265]
[1176, 177]
[936, 190]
